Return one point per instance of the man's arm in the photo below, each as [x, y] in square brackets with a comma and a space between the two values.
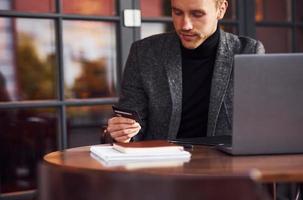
[122, 129]
[132, 97]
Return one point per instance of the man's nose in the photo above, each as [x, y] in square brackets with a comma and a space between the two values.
[187, 24]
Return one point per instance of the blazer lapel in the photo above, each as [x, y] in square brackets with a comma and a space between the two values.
[172, 63]
[220, 80]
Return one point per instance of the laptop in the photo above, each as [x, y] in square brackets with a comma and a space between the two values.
[205, 141]
[267, 105]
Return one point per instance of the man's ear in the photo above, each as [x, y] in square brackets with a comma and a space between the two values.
[222, 9]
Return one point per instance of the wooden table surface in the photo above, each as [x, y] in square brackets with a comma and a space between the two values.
[204, 161]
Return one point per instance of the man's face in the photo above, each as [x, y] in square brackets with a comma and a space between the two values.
[196, 20]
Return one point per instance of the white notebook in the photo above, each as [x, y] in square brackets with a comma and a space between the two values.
[108, 153]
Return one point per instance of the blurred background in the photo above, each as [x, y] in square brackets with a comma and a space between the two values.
[61, 63]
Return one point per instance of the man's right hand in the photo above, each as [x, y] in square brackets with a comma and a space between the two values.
[122, 129]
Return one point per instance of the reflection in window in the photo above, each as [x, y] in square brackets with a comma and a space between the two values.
[148, 29]
[89, 7]
[231, 12]
[27, 59]
[273, 10]
[270, 36]
[230, 29]
[299, 43]
[90, 62]
[28, 5]
[85, 124]
[25, 137]
[299, 10]
[155, 8]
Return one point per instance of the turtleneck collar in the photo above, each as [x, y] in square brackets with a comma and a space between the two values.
[206, 49]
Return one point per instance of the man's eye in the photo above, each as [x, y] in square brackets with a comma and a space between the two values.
[197, 14]
[177, 12]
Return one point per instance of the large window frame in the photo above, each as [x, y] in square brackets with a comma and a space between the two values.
[125, 36]
[292, 24]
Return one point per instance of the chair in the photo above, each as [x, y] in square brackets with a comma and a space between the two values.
[56, 182]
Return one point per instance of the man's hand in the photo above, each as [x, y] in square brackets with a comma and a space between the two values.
[122, 129]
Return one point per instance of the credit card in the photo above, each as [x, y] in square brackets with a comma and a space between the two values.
[127, 113]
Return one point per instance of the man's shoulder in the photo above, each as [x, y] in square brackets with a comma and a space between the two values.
[232, 38]
[242, 44]
[157, 40]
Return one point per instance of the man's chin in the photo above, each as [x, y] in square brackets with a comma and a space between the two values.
[190, 45]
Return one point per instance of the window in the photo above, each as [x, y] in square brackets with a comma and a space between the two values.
[28, 59]
[279, 25]
[59, 72]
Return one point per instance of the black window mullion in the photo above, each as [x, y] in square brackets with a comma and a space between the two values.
[62, 137]
[241, 17]
[36, 104]
[126, 36]
[137, 30]
[246, 17]
[7, 13]
[293, 19]
[250, 25]
[56, 103]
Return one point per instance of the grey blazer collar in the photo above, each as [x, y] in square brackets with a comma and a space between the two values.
[222, 71]
[221, 77]
[173, 66]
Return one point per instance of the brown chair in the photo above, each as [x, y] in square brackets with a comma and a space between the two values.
[58, 183]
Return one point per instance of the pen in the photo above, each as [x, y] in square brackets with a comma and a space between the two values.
[186, 146]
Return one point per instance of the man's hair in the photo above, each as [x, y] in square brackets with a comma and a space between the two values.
[218, 2]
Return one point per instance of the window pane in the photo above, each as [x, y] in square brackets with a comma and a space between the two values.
[299, 42]
[85, 124]
[299, 10]
[89, 59]
[229, 28]
[273, 10]
[27, 59]
[155, 8]
[25, 136]
[148, 29]
[270, 36]
[89, 7]
[28, 5]
[231, 12]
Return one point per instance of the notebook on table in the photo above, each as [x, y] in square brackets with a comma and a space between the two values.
[145, 151]
[267, 105]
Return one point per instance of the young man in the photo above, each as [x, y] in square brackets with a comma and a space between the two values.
[181, 83]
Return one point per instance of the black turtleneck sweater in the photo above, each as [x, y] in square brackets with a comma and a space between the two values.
[197, 71]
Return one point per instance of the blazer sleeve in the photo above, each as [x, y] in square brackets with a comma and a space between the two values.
[259, 49]
[132, 94]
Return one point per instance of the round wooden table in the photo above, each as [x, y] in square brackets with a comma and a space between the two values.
[204, 161]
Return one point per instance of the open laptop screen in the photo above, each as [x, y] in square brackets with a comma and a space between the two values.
[268, 104]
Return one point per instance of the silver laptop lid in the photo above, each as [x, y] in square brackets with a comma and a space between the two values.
[268, 104]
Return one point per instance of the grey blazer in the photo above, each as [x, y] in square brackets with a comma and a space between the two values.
[152, 84]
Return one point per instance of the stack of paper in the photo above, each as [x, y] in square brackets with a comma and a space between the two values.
[140, 151]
